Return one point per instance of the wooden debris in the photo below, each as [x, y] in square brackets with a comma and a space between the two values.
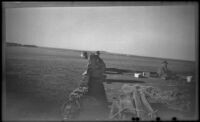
[133, 100]
[148, 106]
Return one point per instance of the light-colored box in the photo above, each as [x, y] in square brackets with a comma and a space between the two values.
[137, 75]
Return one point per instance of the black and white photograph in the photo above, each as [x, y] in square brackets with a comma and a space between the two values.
[115, 61]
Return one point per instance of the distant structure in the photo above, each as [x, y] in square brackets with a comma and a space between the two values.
[29, 45]
[84, 55]
[17, 44]
[13, 44]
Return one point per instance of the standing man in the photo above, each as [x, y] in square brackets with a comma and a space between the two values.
[97, 107]
[100, 61]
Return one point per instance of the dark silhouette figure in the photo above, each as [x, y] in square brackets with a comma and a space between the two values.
[94, 106]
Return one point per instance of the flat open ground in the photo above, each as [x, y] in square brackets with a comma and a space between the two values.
[38, 81]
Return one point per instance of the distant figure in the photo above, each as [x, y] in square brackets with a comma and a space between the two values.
[97, 53]
[99, 60]
[163, 71]
[84, 55]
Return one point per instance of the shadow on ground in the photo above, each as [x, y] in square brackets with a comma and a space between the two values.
[123, 81]
[117, 71]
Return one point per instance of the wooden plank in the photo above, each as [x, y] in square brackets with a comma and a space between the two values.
[151, 112]
[138, 105]
[145, 102]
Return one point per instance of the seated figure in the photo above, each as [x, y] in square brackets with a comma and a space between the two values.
[163, 71]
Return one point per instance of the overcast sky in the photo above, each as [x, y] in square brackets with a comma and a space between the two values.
[155, 31]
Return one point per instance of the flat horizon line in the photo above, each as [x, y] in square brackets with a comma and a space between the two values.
[109, 52]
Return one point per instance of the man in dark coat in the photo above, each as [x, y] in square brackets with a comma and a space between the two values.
[100, 61]
[163, 71]
[95, 105]
[95, 71]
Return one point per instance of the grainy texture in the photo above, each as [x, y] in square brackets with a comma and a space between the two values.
[39, 80]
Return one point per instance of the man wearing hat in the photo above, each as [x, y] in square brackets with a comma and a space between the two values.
[98, 53]
[163, 71]
[99, 60]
